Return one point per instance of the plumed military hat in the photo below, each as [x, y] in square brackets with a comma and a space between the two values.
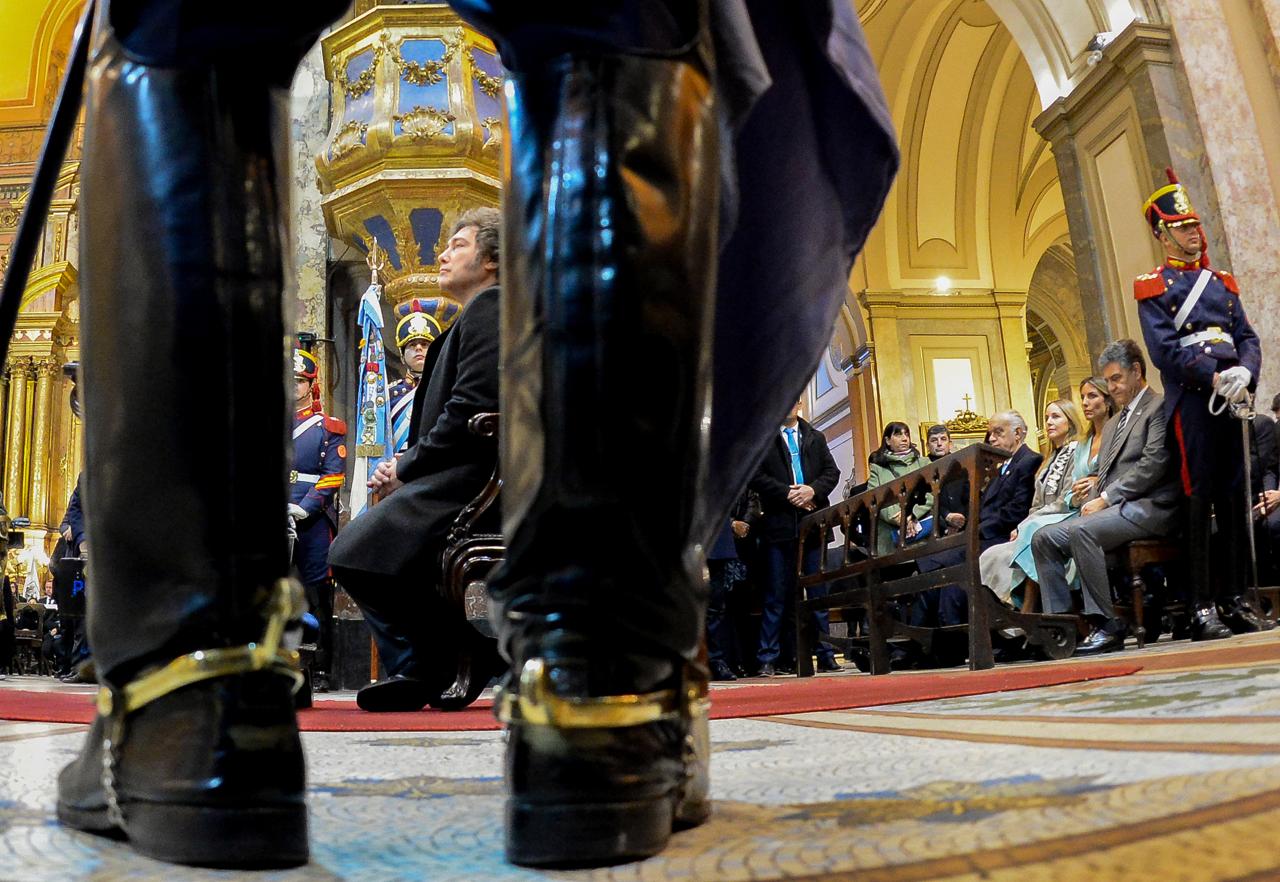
[424, 318]
[304, 365]
[1170, 206]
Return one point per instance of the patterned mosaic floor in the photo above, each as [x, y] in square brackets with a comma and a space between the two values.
[1170, 774]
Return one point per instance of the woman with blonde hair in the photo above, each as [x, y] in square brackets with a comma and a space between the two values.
[1006, 566]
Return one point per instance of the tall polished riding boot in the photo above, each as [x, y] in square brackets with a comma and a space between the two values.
[194, 756]
[1201, 595]
[608, 287]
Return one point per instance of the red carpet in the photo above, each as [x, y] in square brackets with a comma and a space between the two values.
[782, 696]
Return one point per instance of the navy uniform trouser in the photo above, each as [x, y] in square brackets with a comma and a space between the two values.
[1209, 455]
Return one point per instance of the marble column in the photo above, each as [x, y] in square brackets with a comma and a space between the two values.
[882, 308]
[1084, 231]
[15, 446]
[1267, 14]
[41, 435]
[1235, 157]
[309, 125]
[1011, 307]
[866, 419]
[1137, 93]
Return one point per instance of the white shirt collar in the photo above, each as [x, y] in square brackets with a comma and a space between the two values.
[1132, 406]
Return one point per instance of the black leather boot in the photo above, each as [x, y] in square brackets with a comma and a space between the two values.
[1201, 591]
[195, 756]
[607, 290]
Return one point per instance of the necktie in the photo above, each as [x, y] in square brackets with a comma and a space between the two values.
[1115, 436]
[796, 469]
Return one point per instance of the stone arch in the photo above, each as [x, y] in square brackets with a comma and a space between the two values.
[1053, 35]
[1053, 325]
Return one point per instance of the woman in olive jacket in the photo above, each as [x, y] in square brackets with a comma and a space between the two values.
[895, 457]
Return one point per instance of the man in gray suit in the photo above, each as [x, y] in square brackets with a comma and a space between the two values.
[1135, 496]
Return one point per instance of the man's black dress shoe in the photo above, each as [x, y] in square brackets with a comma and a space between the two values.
[1108, 637]
[767, 670]
[828, 665]
[79, 675]
[722, 672]
[1205, 625]
[398, 693]
[1239, 615]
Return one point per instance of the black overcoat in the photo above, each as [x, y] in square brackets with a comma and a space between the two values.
[445, 465]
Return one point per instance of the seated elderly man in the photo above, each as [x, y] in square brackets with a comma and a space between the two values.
[1134, 496]
[1005, 502]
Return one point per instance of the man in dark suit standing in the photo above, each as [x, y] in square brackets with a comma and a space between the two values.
[1005, 502]
[796, 477]
[1135, 496]
[388, 559]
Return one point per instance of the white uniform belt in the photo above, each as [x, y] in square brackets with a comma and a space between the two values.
[1208, 335]
[303, 478]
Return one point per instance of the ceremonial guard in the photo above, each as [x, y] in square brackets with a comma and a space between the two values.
[319, 466]
[1198, 335]
[421, 322]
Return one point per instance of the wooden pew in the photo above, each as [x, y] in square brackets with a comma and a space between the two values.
[471, 552]
[864, 579]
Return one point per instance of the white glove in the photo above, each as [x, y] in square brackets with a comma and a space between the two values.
[1233, 383]
[297, 512]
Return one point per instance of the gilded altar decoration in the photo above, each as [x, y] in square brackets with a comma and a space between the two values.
[424, 122]
[416, 137]
[349, 138]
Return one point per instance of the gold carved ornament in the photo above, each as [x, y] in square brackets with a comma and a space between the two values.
[349, 138]
[487, 83]
[493, 135]
[966, 421]
[428, 73]
[362, 83]
[424, 123]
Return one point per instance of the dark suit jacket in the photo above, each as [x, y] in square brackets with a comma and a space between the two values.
[1137, 472]
[953, 496]
[445, 466]
[74, 518]
[1264, 467]
[772, 481]
[1007, 498]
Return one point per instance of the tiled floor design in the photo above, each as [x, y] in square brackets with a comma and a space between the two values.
[1169, 775]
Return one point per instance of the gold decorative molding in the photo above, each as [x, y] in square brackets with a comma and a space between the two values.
[364, 82]
[349, 139]
[486, 83]
[966, 422]
[424, 123]
[432, 71]
[421, 145]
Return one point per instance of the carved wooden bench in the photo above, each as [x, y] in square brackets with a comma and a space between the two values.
[471, 552]
[865, 579]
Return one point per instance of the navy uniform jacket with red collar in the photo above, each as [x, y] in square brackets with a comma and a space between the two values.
[1214, 336]
[319, 463]
[401, 395]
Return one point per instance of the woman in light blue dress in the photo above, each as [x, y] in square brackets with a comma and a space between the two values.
[1066, 477]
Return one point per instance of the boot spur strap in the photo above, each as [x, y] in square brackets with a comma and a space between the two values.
[536, 703]
[206, 664]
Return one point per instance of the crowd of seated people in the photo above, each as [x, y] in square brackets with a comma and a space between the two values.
[1109, 475]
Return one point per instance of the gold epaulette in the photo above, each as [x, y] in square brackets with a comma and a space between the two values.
[1230, 282]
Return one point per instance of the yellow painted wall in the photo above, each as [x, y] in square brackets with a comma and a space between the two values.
[34, 38]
